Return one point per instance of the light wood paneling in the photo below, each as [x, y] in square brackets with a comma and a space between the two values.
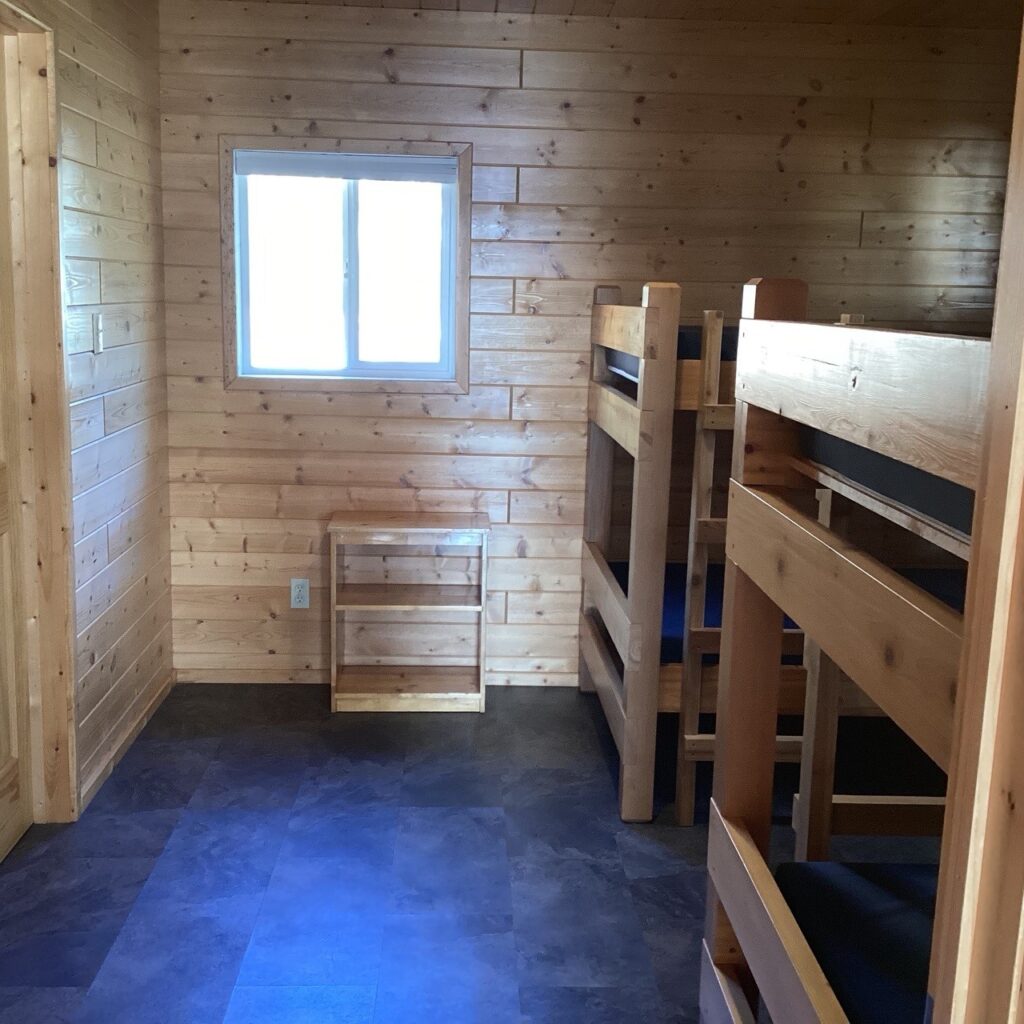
[862, 146]
[108, 96]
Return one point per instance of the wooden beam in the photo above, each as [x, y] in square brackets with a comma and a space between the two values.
[863, 815]
[722, 999]
[648, 538]
[976, 952]
[788, 976]
[604, 677]
[624, 328]
[917, 398]
[617, 415]
[899, 644]
[931, 530]
[703, 747]
[601, 591]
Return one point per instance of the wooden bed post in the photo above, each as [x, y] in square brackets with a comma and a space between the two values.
[648, 539]
[812, 813]
[597, 505]
[751, 649]
[976, 953]
[701, 501]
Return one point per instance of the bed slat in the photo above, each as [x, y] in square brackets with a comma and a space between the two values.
[788, 976]
[701, 747]
[623, 328]
[602, 591]
[917, 398]
[898, 643]
[603, 675]
[722, 1000]
[933, 531]
[616, 415]
[857, 815]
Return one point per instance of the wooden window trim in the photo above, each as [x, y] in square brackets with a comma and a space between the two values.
[461, 150]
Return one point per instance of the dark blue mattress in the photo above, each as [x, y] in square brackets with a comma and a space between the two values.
[945, 584]
[870, 927]
[940, 499]
[689, 347]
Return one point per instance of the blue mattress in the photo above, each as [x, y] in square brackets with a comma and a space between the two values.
[689, 346]
[940, 499]
[945, 584]
[870, 927]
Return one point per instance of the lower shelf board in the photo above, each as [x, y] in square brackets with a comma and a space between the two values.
[412, 688]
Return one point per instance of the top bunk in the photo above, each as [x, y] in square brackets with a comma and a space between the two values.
[617, 336]
[893, 422]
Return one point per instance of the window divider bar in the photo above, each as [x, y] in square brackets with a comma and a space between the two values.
[351, 258]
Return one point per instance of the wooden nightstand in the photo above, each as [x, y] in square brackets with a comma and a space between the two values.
[383, 687]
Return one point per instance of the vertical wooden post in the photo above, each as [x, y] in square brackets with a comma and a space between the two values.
[752, 633]
[597, 509]
[597, 505]
[482, 654]
[332, 611]
[40, 388]
[813, 824]
[701, 497]
[748, 700]
[648, 538]
[976, 953]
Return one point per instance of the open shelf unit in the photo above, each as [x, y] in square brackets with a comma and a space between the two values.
[400, 687]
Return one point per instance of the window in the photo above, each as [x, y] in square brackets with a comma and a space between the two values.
[346, 266]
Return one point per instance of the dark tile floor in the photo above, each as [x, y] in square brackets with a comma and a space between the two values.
[255, 859]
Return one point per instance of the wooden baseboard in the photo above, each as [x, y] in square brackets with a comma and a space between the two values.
[91, 786]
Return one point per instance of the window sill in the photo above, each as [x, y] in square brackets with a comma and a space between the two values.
[382, 385]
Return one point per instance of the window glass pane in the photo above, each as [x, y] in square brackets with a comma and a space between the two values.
[400, 232]
[296, 273]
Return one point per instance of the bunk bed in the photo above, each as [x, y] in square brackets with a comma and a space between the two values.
[678, 604]
[914, 405]
[620, 635]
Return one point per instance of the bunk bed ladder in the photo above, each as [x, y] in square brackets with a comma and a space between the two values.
[713, 418]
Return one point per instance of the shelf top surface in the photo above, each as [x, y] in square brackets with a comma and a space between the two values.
[408, 522]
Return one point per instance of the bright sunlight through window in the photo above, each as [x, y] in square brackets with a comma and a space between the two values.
[345, 265]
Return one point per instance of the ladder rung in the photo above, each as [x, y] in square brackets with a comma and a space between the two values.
[718, 417]
[708, 640]
[710, 531]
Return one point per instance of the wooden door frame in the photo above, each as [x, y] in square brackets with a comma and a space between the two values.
[45, 525]
[976, 953]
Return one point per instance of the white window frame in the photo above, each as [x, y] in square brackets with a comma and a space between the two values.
[449, 164]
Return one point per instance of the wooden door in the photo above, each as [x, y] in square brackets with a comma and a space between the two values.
[15, 789]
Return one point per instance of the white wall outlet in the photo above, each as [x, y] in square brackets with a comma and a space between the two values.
[300, 593]
[97, 334]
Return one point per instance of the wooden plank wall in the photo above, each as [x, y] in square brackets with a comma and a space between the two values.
[868, 159]
[108, 92]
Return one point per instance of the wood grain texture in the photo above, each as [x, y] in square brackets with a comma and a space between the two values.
[112, 245]
[608, 149]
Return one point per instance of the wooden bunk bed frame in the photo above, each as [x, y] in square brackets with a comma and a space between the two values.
[687, 687]
[918, 399]
[632, 625]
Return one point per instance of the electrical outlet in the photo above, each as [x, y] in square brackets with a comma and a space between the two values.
[97, 334]
[300, 593]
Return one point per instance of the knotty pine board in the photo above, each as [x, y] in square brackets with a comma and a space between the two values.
[112, 246]
[868, 158]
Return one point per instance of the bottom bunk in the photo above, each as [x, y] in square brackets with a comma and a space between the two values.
[946, 584]
[870, 929]
[862, 727]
